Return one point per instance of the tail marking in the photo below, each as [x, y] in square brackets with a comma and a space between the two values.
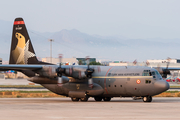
[21, 53]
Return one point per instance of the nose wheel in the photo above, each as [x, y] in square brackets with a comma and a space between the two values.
[147, 99]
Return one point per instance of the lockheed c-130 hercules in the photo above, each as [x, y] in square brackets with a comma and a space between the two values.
[80, 81]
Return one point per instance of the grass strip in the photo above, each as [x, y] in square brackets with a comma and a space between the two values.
[26, 91]
[21, 86]
[174, 86]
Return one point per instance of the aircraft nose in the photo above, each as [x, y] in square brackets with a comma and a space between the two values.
[162, 85]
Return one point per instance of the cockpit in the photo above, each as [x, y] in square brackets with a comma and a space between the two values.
[153, 73]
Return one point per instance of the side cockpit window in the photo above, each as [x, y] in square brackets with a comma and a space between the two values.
[156, 74]
[153, 74]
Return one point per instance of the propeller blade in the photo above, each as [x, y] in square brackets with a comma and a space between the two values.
[60, 59]
[90, 82]
[168, 59]
[87, 61]
[89, 72]
[60, 82]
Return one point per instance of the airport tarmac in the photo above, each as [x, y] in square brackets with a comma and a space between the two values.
[65, 109]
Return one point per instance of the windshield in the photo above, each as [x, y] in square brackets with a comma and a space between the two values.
[154, 73]
[146, 73]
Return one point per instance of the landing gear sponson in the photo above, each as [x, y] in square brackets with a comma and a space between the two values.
[95, 98]
[145, 99]
[77, 99]
[104, 98]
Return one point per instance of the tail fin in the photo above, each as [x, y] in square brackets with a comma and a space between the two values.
[22, 51]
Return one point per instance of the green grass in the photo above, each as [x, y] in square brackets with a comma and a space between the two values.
[172, 91]
[174, 86]
[35, 91]
[26, 91]
[21, 86]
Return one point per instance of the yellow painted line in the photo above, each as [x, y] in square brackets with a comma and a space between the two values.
[122, 77]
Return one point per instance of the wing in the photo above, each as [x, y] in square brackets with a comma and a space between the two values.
[20, 67]
[172, 68]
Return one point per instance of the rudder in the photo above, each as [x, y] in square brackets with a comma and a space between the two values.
[22, 51]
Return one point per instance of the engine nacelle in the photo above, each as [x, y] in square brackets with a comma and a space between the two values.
[48, 71]
[75, 74]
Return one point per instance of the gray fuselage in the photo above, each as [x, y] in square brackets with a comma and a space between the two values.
[115, 81]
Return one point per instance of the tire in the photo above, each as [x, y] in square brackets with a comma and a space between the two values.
[147, 99]
[84, 99]
[98, 98]
[75, 99]
[107, 99]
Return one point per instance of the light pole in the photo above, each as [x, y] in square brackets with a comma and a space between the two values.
[51, 40]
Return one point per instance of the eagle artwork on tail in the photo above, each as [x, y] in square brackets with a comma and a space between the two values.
[21, 53]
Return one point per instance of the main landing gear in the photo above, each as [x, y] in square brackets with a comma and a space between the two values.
[86, 99]
[147, 99]
[100, 98]
[77, 99]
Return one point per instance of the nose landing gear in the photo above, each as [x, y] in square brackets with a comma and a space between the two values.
[147, 99]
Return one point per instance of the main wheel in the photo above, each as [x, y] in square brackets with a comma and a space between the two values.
[107, 99]
[147, 99]
[98, 98]
[75, 99]
[84, 99]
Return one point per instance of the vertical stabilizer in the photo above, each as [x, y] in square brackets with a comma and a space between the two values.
[22, 51]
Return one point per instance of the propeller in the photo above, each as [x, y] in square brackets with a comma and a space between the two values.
[88, 73]
[166, 71]
[59, 71]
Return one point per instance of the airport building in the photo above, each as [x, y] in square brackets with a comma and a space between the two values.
[83, 61]
[154, 63]
[68, 61]
[65, 61]
[2, 76]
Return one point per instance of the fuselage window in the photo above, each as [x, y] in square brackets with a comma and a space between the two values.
[148, 81]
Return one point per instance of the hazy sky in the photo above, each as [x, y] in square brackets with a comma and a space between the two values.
[128, 18]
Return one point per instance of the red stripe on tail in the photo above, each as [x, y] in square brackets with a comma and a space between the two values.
[18, 22]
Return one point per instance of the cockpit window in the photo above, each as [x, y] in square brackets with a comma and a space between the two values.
[156, 74]
[146, 73]
[153, 74]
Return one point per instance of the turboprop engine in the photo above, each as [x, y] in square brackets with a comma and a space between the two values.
[77, 74]
[48, 71]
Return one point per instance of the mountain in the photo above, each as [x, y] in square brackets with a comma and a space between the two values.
[73, 43]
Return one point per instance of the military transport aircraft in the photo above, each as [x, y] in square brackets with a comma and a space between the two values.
[81, 82]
